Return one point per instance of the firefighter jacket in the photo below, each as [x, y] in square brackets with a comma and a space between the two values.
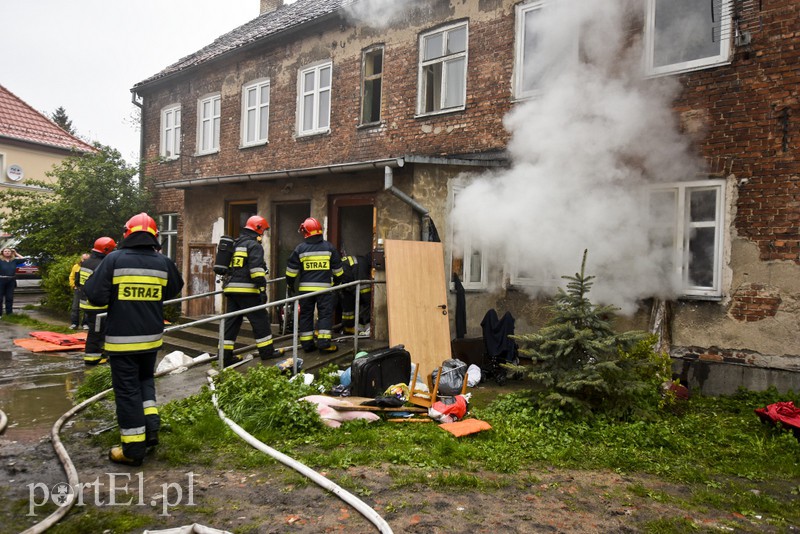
[356, 268]
[133, 281]
[74, 276]
[315, 263]
[87, 268]
[248, 271]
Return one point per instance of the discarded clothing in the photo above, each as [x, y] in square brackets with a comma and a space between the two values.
[785, 413]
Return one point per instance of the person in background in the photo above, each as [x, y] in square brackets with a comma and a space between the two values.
[93, 352]
[315, 264]
[133, 282]
[75, 285]
[9, 259]
[246, 287]
[356, 268]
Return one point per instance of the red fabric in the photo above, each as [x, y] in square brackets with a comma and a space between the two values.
[784, 412]
[458, 409]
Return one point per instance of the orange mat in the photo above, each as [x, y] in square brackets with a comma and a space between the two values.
[38, 345]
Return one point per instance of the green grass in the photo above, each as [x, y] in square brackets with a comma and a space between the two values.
[35, 324]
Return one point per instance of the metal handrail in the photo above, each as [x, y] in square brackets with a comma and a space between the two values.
[289, 300]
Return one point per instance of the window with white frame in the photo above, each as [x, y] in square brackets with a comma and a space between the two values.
[208, 121]
[525, 81]
[687, 221]
[372, 78]
[168, 231]
[468, 262]
[685, 35]
[315, 99]
[255, 113]
[443, 69]
[171, 132]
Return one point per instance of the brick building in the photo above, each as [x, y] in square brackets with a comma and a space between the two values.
[376, 123]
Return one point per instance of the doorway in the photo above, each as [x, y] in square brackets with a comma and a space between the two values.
[238, 213]
[285, 237]
[352, 227]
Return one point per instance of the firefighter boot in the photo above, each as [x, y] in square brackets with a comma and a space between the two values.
[329, 349]
[118, 457]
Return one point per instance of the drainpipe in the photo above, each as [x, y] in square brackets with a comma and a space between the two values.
[141, 134]
[388, 185]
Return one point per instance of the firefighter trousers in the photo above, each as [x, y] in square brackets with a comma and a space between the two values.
[259, 321]
[135, 396]
[95, 337]
[324, 304]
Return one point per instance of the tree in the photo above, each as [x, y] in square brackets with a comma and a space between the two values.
[60, 117]
[584, 366]
[94, 195]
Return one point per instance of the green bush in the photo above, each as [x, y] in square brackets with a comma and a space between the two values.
[55, 282]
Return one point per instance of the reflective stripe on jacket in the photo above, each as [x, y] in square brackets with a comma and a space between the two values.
[314, 263]
[248, 268]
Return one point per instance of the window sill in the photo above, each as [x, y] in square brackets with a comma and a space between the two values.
[433, 114]
[371, 125]
[254, 145]
[201, 154]
[162, 160]
[312, 135]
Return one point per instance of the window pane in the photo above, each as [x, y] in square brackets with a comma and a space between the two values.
[457, 40]
[215, 142]
[206, 135]
[217, 103]
[206, 109]
[701, 257]
[325, 78]
[168, 119]
[251, 97]
[168, 143]
[433, 45]
[308, 81]
[324, 108]
[308, 112]
[686, 30]
[251, 125]
[177, 131]
[703, 205]
[369, 95]
[529, 46]
[475, 267]
[432, 76]
[455, 83]
[265, 94]
[177, 117]
[263, 123]
[662, 218]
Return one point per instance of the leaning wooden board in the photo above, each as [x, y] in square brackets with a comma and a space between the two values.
[416, 295]
[353, 404]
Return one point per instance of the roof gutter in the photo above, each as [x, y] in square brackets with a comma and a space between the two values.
[190, 183]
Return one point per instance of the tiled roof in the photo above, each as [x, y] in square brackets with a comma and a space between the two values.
[21, 122]
[285, 18]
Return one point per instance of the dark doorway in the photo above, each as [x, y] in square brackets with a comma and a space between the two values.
[352, 226]
[238, 213]
[285, 237]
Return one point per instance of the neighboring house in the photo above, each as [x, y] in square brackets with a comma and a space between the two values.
[30, 143]
[375, 132]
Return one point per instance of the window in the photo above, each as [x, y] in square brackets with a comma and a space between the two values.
[255, 113]
[208, 119]
[372, 75]
[687, 222]
[171, 132]
[467, 262]
[315, 99]
[525, 82]
[168, 231]
[684, 35]
[443, 70]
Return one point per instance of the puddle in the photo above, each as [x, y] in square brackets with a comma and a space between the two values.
[35, 388]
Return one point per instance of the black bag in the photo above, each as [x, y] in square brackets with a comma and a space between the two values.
[453, 373]
[371, 375]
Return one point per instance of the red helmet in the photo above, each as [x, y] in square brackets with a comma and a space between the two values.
[257, 224]
[104, 245]
[141, 223]
[310, 227]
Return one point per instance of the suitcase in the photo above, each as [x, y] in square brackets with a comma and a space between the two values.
[371, 375]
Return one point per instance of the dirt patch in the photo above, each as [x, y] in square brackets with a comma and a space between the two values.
[276, 499]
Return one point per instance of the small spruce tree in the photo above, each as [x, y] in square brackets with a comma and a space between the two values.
[60, 117]
[584, 367]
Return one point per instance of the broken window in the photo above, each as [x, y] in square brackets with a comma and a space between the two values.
[686, 223]
[255, 113]
[315, 99]
[171, 132]
[443, 69]
[372, 77]
[684, 35]
[208, 121]
[467, 262]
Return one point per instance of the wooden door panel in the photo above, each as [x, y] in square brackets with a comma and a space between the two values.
[201, 279]
[416, 293]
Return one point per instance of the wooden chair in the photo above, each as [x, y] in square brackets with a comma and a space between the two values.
[427, 398]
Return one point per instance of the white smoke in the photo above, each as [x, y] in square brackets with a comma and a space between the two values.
[380, 13]
[582, 149]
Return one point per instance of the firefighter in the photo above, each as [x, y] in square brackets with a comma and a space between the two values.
[134, 281]
[93, 352]
[245, 287]
[315, 264]
[355, 268]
